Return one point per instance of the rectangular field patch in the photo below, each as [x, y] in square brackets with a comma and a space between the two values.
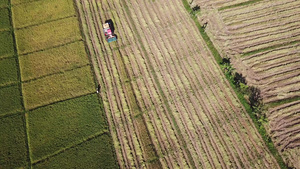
[95, 153]
[54, 60]
[4, 18]
[56, 126]
[34, 12]
[11, 101]
[58, 87]
[7, 44]
[3, 3]
[13, 151]
[8, 71]
[47, 35]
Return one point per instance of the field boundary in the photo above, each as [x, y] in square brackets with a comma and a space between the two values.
[260, 128]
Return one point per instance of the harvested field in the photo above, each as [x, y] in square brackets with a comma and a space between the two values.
[62, 58]
[13, 152]
[12, 102]
[53, 127]
[6, 41]
[168, 103]
[47, 35]
[58, 87]
[32, 13]
[94, 153]
[8, 71]
[263, 41]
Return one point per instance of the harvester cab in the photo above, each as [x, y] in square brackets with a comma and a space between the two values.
[109, 35]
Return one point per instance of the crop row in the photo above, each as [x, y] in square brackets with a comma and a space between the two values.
[178, 89]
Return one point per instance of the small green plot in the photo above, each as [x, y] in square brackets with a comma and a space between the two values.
[8, 71]
[3, 3]
[47, 35]
[13, 152]
[10, 101]
[4, 19]
[56, 126]
[58, 87]
[54, 60]
[7, 44]
[14, 2]
[34, 12]
[94, 154]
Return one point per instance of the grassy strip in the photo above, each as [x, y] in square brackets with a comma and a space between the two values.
[58, 87]
[281, 102]
[47, 35]
[95, 152]
[34, 13]
[269, 48]
[42, 63]
[238, 5]
[13, 152]
[190, 158]
[237, 90]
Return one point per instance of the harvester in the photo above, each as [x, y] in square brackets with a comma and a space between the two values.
[108, 32]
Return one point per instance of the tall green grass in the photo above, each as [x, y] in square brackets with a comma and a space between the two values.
[10, 100]
[47, 35]
[58, 87]
[95, 153]
[54, 60]
[34, 13]
[13, 152]
[8, 71]
[56, 126]
[6, 44]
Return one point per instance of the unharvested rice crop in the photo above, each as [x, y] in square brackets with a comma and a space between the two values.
[53, 127]
[95, 153]
[4, 3]
[58, 87]
[8, 71]
[66, 57]
[4, 18]
[11, 101]
[47, 35]
[166, 99]
[41, 11]
[6, 47]
[13, 152]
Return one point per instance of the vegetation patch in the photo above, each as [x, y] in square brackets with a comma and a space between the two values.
[239, 4]
[56, 126]
[4, 18]
[95, 153]
[8, 71]
[11, 101]
[7, 44]
[13, 151]
[54, 60]
[47, 35]
[34, 12]
[58, 87]
[3, 3]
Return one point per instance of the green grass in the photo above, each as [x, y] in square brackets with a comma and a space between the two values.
[14, 2]
[8, 71]
[239, 4]
[47, 35]
[54, 60]
[56, 126]
[13, 151]
[93, 154]
[33, 13]
[285, 101]
[4, 19]
[10, 100]
[6, 44]
[58, 87]
[3, 3]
